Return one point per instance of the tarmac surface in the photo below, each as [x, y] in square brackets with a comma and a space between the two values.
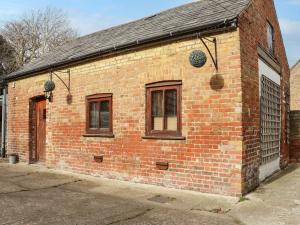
[36, 195]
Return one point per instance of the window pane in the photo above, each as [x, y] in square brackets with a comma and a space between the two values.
[94, 115]
[157, 98]
[157, 110]
[172, 123]
[270, 33]
[104, 114]
[171, 109]
[158, 123]
[171, 102]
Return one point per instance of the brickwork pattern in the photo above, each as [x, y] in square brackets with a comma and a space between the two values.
[295, 87]
[295, 136]
[253, 22]
[220, 112]
[295, 117]
[210, 158]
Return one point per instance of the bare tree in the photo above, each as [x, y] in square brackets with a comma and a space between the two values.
[36, 33]
[7, 57]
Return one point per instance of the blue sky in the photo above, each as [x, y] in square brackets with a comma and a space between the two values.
[92, 15]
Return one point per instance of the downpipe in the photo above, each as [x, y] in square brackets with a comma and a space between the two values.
[3, 125]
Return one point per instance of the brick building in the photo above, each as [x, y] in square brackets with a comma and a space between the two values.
[141, 102]
[295, 86]
[295, 113]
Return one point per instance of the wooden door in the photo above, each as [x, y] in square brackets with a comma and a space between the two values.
[40, 109]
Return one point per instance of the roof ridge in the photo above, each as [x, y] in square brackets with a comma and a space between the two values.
[179, 20]
[115, 27]
[141, 19]
[296, 64]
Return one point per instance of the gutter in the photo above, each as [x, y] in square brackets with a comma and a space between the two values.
[226, 25]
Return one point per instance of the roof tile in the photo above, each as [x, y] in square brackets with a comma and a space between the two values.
[189, 16]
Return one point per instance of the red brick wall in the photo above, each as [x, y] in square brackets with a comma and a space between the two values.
[252, 25]
[209, 160]
[295, 150]
[295, 136]
[221, 153]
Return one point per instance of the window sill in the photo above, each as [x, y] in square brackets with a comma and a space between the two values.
[165, 137]
[100, 135]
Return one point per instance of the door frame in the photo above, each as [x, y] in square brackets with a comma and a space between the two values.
[33, 128]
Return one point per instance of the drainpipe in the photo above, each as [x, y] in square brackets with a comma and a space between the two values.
[3, 130]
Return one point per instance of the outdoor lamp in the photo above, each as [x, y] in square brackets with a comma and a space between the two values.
[198, 58]
[49, 86]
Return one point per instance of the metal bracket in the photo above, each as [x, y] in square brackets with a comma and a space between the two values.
[67, 85]
[215, 57]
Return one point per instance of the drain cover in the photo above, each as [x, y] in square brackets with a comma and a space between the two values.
[161, 199]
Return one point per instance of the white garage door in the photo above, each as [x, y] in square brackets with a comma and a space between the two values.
[270, 102]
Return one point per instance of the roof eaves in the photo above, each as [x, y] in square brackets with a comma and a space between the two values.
[200, 30]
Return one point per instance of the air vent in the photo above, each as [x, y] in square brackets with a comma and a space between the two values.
[162, 165]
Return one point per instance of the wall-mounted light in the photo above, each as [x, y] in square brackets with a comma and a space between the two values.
[49, 86]
[198, 58]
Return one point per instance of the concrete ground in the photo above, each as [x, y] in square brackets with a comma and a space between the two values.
[35, 195]
[277, 202]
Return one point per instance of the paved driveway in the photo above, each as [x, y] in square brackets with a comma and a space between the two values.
[32, 195]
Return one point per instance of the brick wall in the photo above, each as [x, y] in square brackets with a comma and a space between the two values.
[209, 160]
[295, 136]
[295, 115]
[295, 87]
[253, 33]
[221, 153]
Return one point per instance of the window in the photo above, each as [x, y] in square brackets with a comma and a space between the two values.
[270, 33]
[163, 110]
[99, 114]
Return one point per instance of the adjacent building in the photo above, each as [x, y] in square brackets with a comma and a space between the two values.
[192, 98]
[295, 112]
[295, 87]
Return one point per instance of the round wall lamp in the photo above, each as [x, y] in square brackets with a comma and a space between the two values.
[198, 58]
[49, 86]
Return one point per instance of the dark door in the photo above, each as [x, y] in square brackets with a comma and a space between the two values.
[40, 109]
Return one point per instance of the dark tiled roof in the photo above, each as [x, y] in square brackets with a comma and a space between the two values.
[192, 16]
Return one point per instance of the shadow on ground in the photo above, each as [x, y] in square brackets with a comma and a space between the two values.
[29, 195]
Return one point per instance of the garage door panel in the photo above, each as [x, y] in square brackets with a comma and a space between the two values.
[270, 120]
